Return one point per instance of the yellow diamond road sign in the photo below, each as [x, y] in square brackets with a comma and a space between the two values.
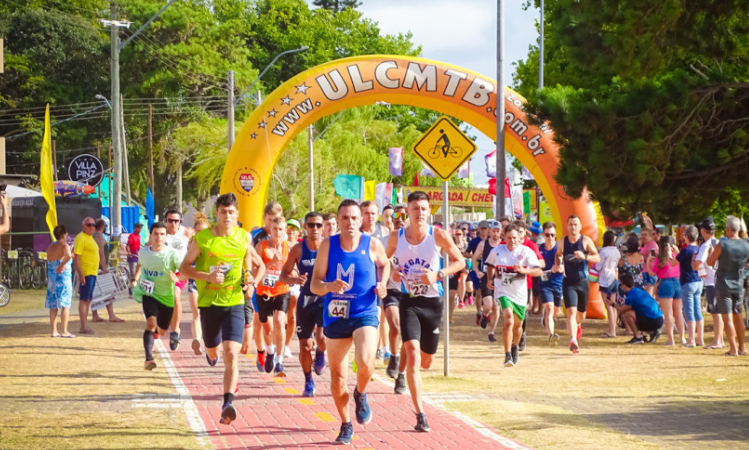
[444, 148]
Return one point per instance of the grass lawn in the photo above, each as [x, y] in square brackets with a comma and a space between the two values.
[22, 300]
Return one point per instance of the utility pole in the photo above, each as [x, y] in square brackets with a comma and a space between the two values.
[109, 180]
[123, 141]
[116, 46]
[230, 108]
[310, 145]
[115, 194]
[541, 49]
[500, 155]
[150, 149]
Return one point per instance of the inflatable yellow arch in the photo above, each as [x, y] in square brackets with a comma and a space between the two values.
[364, 80]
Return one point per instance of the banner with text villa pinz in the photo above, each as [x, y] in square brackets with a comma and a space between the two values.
[475, 197]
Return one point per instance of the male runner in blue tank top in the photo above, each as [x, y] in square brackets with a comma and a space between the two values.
[416, 249]
[309, 307]
[575, 252]
[347, 271]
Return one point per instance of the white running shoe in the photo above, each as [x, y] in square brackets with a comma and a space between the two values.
[287, 352]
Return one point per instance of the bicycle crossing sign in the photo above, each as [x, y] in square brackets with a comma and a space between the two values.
[444, 148]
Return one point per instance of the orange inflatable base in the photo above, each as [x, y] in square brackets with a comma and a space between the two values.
[596, 307]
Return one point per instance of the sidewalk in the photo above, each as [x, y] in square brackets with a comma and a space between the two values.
[273, 415]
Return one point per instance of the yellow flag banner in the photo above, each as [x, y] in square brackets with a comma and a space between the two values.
[369, 190]
[46, 177]
[476, 197]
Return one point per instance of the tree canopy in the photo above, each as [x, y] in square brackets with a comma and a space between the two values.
[648, 100]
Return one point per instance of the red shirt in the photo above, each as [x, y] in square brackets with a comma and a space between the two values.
[133, 244]
[532, 245]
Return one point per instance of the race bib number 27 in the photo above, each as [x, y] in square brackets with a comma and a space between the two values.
[339, 309]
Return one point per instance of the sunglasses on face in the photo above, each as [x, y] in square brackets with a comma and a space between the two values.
[174, 220]
[313, 225]
[549, 234]
[459, 234]
[402, 216]
[90, 224]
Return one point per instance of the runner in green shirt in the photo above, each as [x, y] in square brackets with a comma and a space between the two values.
[222, 254]
[153, 285]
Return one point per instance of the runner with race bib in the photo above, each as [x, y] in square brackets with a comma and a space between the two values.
[416, 249]
[153, 285]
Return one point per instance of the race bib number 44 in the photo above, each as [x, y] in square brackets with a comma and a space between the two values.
[147, 286]
[338, 309]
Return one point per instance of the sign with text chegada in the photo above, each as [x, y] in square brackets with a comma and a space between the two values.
[475, 197]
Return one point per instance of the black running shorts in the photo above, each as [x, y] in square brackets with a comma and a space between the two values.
[309, 313]
[154, 308]
[575, 294]
[222, 323]
[420, 320]
[392, 298]
[266, 306]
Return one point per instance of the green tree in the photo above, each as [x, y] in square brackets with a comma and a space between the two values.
[659, 89]
[337, 5]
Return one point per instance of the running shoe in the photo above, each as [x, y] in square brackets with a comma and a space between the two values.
[387, 354]
[508, 360]
[260, 362]
[574, 347]
[287, 352]
[196, 347]
[309, 388]
[514, 351]
[156, 335]
[470, 300]
[278, 371]
[553, 340]
[484, 320]
[379, 354]
[421, 423]
[270, 360]
[228, 414]
[214, 362]
[346, 434]
[393, 362]
[478, 318]
[174, 340]
[654, 336]
[319, 362]
[400, 384]
[363, 413]
[579, 332]
[492, 338]
[521, 344]
[461, 304]
[636, 340]
[150, 365]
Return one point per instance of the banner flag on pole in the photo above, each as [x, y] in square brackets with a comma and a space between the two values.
[150, 208]
[383, 195]
[46, 175]
[426, 171]
[369, 190]
[491, 164]
[349, 186]
[396, 161]
[464, 171]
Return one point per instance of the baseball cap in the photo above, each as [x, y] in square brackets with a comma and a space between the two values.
[708, 224]
[535, 228]
[493, 224]
[293, 223]
[484, 224]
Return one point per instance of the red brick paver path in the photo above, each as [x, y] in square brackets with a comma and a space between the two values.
[274, 415]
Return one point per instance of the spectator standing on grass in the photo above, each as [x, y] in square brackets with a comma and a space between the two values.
[691, 288]
[731, 254]
[607, 278]
[59, 282]
[101, 241]
[666, 268]
[707, 230]
[86, 264]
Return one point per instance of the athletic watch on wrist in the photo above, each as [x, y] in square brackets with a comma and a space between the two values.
[441, 275]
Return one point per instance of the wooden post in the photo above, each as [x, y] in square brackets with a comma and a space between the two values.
[54, 157]
[150, 149]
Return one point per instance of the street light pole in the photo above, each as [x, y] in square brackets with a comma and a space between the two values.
[303, 48]
[230, 109]
[500, 155]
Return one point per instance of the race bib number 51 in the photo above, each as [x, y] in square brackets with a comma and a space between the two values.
[338, 309]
